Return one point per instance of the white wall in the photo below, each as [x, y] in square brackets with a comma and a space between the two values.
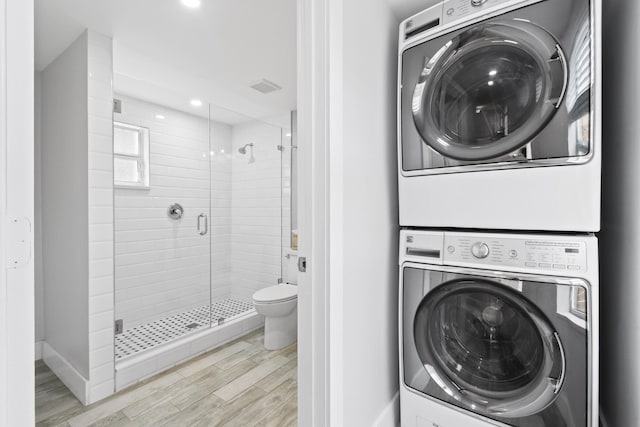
[256, 209]
[363, 221]
[16, 204]
[77, 206]
[162, 265]
[100, 220]
[65, 215]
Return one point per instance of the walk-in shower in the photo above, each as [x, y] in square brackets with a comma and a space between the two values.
[197, 228]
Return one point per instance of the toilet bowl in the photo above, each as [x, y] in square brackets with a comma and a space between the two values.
[279, 306]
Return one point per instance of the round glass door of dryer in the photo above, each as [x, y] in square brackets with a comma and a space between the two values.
[490, 90]
[489, 348]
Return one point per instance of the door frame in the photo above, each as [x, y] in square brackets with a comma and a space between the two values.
[17, 333]
[315, 370]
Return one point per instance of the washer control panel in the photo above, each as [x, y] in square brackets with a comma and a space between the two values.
[526, 253]
[454, 10]
[480, 250]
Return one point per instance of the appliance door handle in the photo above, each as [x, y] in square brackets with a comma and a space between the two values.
[560, 57]
[563, 361]
[206, 224]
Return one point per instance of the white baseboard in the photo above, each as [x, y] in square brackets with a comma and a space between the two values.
[38, 350]
[74, 381]
[390, 415]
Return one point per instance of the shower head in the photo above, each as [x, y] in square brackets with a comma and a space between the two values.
[243, 149]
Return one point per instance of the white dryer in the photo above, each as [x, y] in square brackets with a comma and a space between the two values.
[498, 329]
[499, 115]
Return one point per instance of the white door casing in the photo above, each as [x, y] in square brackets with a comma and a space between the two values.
[313, 208]
[16, 213]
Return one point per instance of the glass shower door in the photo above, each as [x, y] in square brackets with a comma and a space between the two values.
[246, 213]
[162, 226]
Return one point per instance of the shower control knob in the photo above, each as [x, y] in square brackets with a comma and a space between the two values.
[480, 250]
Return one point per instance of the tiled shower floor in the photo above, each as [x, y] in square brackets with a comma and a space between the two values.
[144, 337]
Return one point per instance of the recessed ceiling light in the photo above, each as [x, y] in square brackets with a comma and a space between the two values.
[160, 117]
[490, 82]
[196, 103]
[191, 3]
[493, 72]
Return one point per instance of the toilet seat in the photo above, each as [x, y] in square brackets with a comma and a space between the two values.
[276, 294]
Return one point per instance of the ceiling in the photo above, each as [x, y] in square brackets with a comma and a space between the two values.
[167, 53]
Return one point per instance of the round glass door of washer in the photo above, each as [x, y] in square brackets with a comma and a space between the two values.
[489, 347]
[490, 90]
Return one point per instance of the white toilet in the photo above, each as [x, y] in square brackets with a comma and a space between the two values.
[279, 306]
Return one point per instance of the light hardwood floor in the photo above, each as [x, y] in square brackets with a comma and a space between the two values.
[239, 384]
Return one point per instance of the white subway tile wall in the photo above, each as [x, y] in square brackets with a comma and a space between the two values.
[100, 199]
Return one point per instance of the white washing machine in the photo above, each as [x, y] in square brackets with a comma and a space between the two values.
[498, 330]
[499, 115]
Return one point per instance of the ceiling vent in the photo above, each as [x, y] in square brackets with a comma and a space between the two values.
[265, 86]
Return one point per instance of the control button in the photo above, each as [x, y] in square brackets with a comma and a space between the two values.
[544, 265]
[531, 264]
[409, 239]
[480, 250]
[559, 266]
[451, 249]
[476, 3]
[573, 267]
[450, 11]
[513, 253]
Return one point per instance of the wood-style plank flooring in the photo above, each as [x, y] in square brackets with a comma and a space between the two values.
[238, 384]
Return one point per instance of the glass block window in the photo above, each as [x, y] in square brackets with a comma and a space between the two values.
[130, 156]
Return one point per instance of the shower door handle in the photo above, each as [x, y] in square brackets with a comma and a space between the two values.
[206, 224]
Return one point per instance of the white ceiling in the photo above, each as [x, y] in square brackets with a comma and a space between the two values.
[175, 53]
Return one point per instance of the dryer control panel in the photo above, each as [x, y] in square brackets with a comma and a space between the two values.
[453, 10]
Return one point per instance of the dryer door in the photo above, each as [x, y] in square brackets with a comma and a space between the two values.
[489, 348]
[490, 90]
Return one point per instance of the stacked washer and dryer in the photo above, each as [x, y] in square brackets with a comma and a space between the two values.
[499, 157]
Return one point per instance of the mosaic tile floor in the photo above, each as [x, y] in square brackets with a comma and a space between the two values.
[144, 337]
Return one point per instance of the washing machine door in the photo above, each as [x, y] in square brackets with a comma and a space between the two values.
[489, 348]
[490, 90]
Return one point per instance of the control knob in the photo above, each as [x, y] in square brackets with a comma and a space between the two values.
[480, 250]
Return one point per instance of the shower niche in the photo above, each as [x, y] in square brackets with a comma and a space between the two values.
[204, 233]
